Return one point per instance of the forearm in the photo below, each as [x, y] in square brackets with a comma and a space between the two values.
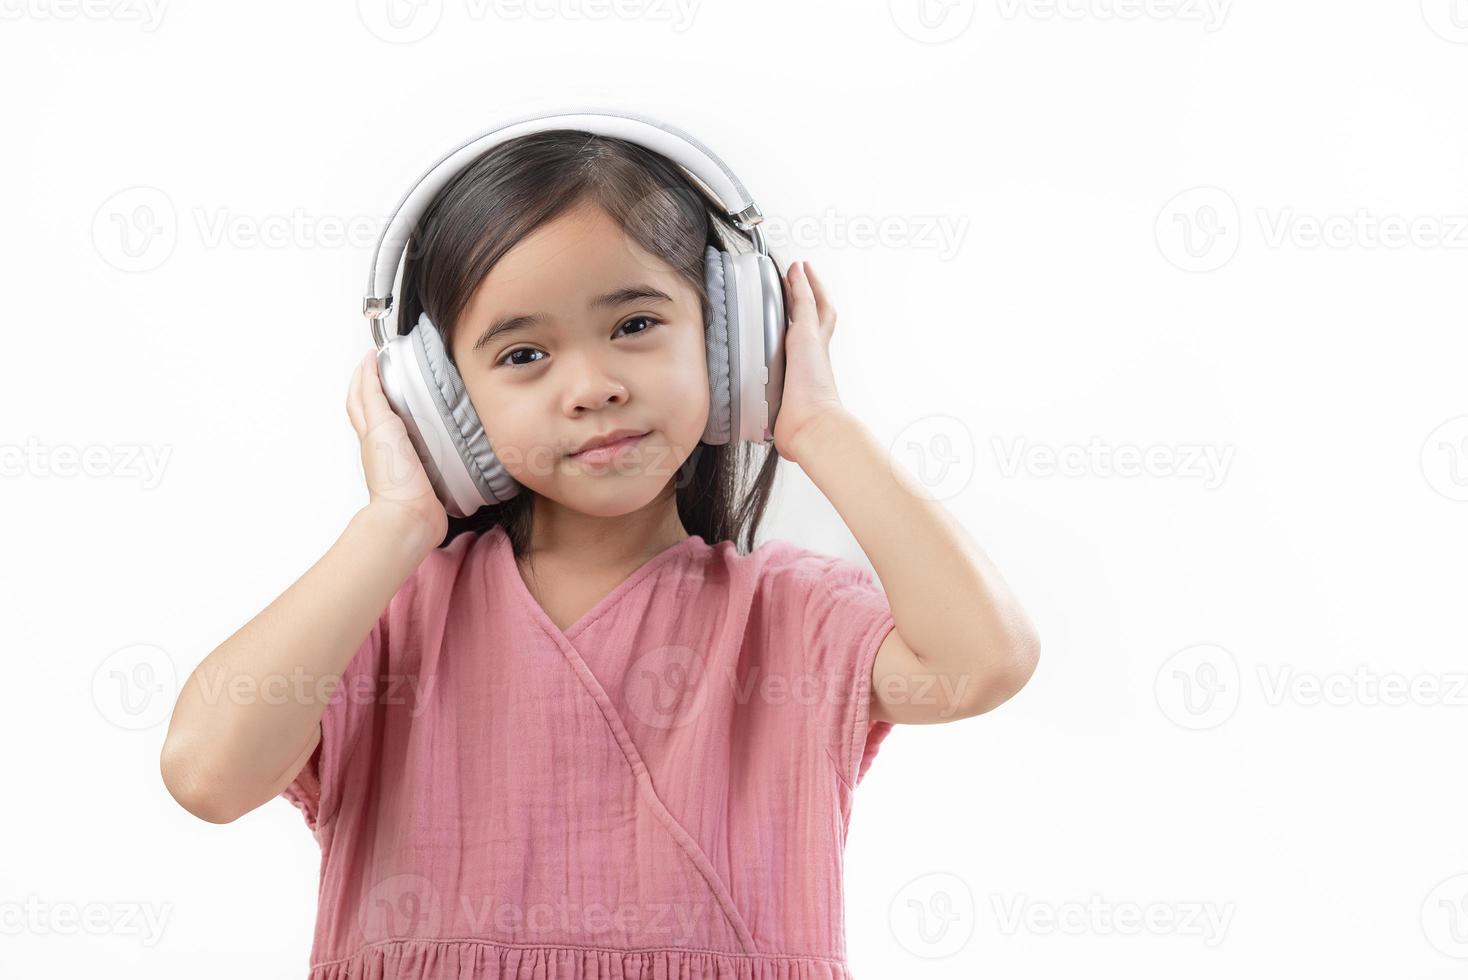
[950, 604]
[249, 709]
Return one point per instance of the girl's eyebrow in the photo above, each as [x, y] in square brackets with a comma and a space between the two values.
[524, 321]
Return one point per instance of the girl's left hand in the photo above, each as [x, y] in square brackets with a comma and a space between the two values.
[810, 385]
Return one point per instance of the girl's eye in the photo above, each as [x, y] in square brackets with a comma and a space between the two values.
[520, 350]
[651, 322]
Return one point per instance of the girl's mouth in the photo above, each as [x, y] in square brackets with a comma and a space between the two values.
[609, 452]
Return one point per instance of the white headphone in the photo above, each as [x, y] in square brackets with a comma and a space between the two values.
[745, 334]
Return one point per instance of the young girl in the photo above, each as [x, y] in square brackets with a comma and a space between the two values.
[585, 732]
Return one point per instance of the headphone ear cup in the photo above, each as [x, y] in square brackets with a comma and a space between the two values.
[721, 344]
[426, 392]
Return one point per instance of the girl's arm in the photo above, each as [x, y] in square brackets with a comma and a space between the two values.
[249, 715]
[962, 645]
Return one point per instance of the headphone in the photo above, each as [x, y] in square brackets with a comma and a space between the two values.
[744, 337]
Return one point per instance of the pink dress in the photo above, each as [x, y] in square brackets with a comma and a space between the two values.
[660, 792]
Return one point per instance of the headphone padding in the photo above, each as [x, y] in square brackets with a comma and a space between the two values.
[462, 422]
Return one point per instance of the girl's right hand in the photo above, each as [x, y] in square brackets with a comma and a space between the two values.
[396, 480]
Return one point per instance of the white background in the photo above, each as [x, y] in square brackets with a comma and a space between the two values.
[1133, 195]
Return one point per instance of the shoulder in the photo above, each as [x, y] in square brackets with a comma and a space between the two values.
[446, 578]
[782, 576]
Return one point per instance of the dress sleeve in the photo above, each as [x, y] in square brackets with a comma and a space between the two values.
[844, 616]
[317, 788]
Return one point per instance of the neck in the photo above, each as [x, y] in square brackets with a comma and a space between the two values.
[558, 532]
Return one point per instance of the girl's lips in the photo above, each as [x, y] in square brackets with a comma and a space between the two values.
[609, 452]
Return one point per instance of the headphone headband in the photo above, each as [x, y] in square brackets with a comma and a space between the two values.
[694, 157]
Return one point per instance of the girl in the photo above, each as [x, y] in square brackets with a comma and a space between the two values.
[594, 731]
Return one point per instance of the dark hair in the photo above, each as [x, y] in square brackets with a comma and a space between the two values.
[512, 189]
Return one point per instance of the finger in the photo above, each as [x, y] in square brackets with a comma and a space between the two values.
[802, 301]
[824, 309]
[375, 405]
[354, 399]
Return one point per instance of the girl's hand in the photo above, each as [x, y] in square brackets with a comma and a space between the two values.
[810, 386]
[396, 480]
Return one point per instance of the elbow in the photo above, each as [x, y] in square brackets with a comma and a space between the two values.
[1008, 673]
[181, 779]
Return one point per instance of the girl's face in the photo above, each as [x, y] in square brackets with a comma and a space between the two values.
[577, 331]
